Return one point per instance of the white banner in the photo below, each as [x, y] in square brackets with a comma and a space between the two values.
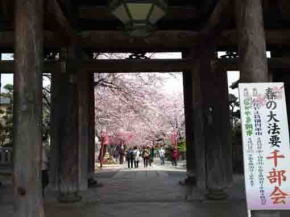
[266, 145]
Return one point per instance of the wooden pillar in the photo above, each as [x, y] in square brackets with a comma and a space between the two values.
[214, 168]
[198, 128]
[252, 48]
[54, 132]
[189, 127]
[27, 108]
[252, 53]
[222, 123]
[83, 112]
[283, 75]
[215, 123]
[67, 126]
[91, 144]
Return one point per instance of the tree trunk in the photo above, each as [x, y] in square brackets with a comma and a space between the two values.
[27, 108]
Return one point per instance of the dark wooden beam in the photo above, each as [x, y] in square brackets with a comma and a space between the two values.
[119, 41]
[278, 37]
[6, 9]
[137, 65]
[116, 41]
[172, 65]
[284, 7]
[161, 65]
[50, 40]
[173, 13]
[57, 22]
[273, 63]
[9, 67]
[157, 65]
[219, 17]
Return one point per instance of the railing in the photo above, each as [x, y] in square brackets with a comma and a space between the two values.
[5, 156]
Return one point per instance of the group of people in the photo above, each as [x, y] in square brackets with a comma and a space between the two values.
[136, 154]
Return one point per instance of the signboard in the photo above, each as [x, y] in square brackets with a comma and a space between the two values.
[266, 145]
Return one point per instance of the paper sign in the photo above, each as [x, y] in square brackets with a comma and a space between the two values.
[266, 145]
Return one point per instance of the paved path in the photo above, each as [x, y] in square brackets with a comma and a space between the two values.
[153, 192]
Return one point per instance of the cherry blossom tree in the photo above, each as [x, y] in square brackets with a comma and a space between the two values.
[135, 103]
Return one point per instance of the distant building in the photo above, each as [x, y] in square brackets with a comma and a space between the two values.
[4, 103]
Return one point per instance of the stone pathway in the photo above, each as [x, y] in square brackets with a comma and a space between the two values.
[153, 192]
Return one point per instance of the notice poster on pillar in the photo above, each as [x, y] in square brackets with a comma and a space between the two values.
[266, 145]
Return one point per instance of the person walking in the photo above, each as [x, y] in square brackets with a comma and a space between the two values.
[151, 159]
[174, 156]
[146, 156]
[44, 164]
[129, 157]
[121, 154]
[162, 155]
[136, 156]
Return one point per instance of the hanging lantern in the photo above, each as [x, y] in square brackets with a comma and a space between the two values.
[138, 16]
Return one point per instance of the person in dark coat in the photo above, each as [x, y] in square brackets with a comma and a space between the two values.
[151, 155]
[130, 157]
[174, 156]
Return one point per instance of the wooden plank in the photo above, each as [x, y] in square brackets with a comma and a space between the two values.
[27, 108]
